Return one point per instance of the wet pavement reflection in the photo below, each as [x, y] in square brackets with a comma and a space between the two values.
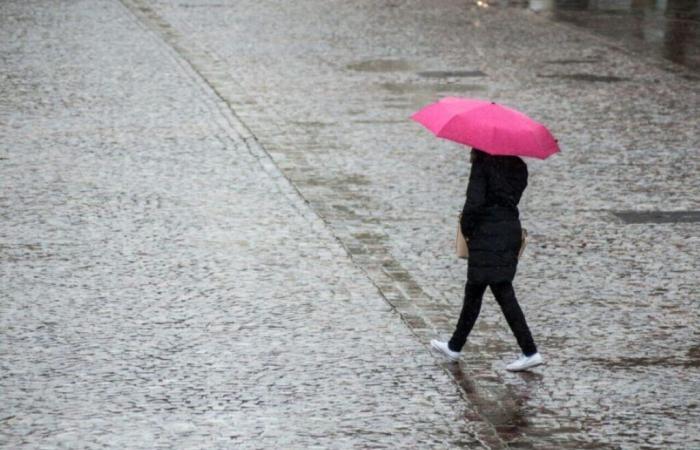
[502, 408]
[666, 28]
[210, 176]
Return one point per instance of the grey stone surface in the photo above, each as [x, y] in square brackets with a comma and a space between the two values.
[327, 88]
[163, 286]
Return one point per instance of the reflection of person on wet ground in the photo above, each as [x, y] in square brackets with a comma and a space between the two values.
[491, 224]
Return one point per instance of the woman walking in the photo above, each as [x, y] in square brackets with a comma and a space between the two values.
[491, 224]
[490, 219]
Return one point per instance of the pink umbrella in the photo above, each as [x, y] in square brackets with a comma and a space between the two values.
[487, 126]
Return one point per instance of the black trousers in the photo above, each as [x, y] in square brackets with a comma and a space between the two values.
[505, 296]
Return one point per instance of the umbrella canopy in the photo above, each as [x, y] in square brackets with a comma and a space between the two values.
[488, 126]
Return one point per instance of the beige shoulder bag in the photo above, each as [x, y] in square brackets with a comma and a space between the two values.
[463, 249]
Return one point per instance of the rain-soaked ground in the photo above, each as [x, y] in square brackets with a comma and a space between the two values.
[662, 28]
[668, 29]
[220, 229]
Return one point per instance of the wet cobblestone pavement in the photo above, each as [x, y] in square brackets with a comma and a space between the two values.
[163, 286]
[220, 230]
[667, 29]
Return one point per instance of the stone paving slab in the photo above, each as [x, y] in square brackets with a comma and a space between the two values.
[327, 87]
[163, 285]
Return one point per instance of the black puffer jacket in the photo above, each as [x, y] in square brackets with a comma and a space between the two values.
[490, 218]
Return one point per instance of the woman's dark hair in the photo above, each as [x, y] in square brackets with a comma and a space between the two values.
[476, 154]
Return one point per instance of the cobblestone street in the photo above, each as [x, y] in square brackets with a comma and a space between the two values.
[220, 229]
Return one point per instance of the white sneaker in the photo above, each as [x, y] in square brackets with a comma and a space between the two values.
[445, 349]
[525, 362]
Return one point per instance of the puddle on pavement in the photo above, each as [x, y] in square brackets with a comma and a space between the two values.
[341, 181]
[508, 409]
[382, 65]
[667, 28]
[408, 97]
[640, 217]
[565, 62]
[586, 77]
[502, 410]
[431, 89]
[403, 104]
[451, 73]
[379, 121]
